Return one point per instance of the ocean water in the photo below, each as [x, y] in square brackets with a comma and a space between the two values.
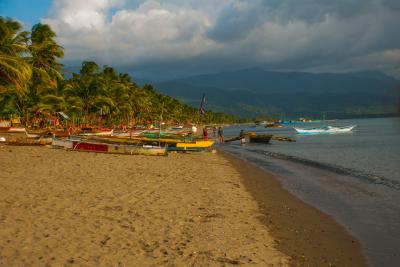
[354, 177]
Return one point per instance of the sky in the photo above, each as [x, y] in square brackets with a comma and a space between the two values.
[173, 38]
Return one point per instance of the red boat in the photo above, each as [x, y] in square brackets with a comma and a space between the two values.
[90, 147]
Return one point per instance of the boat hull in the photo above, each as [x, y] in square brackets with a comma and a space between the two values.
[196, 144]
[264, 138]
[326, 130]
[98, 147]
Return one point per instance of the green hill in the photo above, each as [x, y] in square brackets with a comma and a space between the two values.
[255, 92]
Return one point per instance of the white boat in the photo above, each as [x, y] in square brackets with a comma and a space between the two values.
[325, 130]
[98, 133]
[177, 127]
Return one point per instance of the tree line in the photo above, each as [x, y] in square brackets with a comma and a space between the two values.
[32, 84]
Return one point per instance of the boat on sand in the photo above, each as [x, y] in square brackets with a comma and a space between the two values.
[99, 147]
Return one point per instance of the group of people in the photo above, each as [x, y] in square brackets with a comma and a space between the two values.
[217, 132]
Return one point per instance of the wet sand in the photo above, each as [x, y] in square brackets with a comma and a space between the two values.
[75, 208]
[308, 236]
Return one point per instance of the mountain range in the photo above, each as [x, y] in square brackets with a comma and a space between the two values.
[257, 92]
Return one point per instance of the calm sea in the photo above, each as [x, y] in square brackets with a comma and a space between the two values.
[353, 177]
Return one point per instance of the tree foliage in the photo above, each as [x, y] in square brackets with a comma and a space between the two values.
[31, 83]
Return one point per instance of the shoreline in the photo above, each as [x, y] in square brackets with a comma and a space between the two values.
[306, 234]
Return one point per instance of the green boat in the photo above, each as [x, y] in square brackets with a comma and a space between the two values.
[166, 135]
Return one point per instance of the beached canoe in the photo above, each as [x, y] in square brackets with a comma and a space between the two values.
[142, 139]
[92, 146]
[21, 137]
[9, 129]
[167, 135]
[198, 145]
[96, 132]
[41, 141]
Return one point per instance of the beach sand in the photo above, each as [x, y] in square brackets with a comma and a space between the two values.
[75, 208]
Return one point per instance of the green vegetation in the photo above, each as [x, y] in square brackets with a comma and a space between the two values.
[31, 85]
[255, 93]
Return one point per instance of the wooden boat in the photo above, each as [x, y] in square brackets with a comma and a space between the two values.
[10, 129]
[4, 128]
[260, 138]
[156, 135]
[60, 132]
[171, 135]
[92, 146]
[177, 127]
[96, 132]
[273, 125]
[127, 133]
[197, 143]
[143, 139]
[237, 138]
[62, 143]
[24, 139]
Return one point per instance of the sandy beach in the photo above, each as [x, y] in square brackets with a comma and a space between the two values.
[74, 208]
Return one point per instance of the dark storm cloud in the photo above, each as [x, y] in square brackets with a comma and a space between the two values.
[212, 35]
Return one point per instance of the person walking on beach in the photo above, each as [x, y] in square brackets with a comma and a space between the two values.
[221, 135]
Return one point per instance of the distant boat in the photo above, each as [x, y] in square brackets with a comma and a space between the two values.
[273, 125]
[325, 130]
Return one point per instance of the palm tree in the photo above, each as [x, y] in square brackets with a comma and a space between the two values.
[44, 55]
[46, 73]
[15, 72]
[90, 89]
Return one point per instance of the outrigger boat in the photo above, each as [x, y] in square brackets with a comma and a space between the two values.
[96, 132]
[99, 147]
[197, 145]
[183, 144]
[325, 130]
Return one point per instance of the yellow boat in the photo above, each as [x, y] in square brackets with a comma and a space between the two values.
[196, 144]
[137, 139]
[173, 144]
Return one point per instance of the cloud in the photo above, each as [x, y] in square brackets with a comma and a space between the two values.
[149, 33]
[191, 36]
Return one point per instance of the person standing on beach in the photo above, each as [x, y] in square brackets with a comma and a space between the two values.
[214, 132]
[205, 133]
[221, 135]
[242, 136]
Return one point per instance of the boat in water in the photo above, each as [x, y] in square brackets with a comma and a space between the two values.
[325, 130]
[259, 138]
